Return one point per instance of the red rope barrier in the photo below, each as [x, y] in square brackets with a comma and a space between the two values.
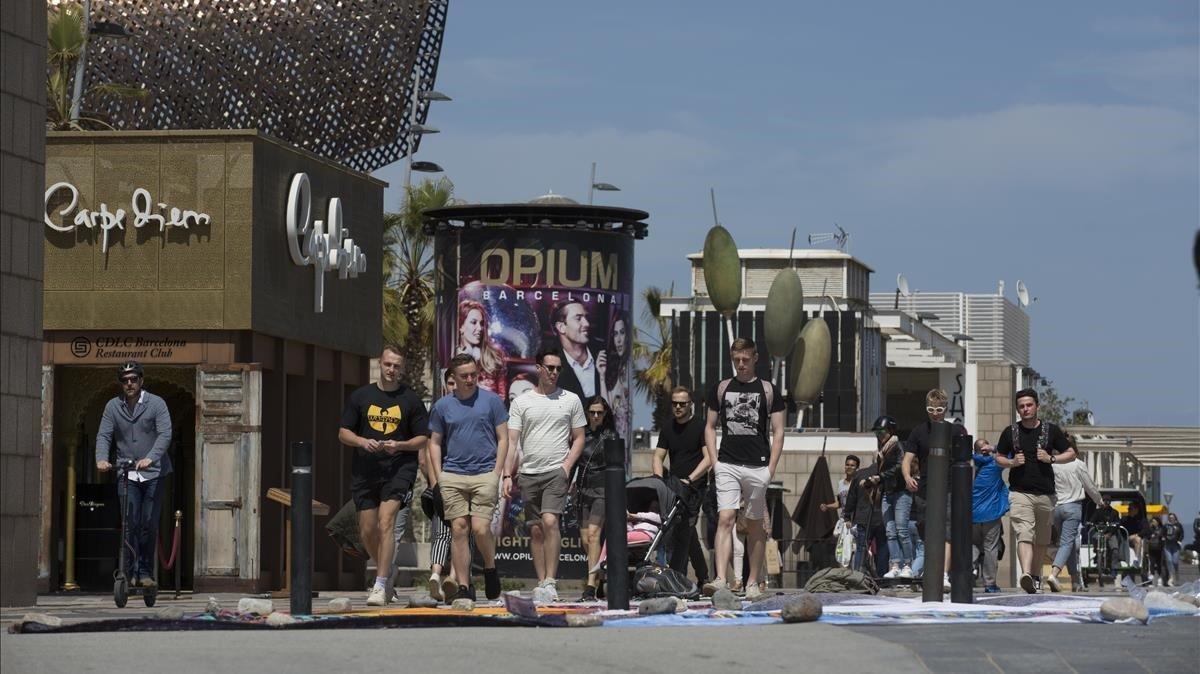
[170, 564]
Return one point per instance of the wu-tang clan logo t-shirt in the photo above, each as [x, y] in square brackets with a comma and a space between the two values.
[386, 421]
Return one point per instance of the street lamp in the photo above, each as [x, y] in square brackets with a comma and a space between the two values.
[415, 130]
[99, 29]
[603, 187]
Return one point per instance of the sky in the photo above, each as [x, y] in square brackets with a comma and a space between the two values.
[958, 143]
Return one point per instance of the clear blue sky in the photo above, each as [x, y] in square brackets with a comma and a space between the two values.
[959, 143]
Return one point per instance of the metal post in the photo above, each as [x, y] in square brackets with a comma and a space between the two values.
[935, 510]
[178, 524]
[592, 184]
[614, 525]
[69, 584]
[962, 581]
[302, 533]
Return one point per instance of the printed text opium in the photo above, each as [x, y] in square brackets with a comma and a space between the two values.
[141, 204]
[324, 245]
[534, 266]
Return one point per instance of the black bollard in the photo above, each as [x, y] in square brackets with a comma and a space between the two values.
[614, 525]
[935, 510]
[962, 579]
[302, 531]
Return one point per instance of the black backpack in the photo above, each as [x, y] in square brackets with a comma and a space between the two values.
[652, 580]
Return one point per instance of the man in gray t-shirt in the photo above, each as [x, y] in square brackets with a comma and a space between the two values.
[546, 426]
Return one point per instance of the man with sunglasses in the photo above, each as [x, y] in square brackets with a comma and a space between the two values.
[545, 427]
[917, 447]
[138, 422]
[681, 443]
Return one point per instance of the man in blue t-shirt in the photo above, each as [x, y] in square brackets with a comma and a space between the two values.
[471, 429]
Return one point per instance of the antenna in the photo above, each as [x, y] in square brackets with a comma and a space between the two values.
[902, 285]
[841, 238]
[712, 193]
[1022, 294]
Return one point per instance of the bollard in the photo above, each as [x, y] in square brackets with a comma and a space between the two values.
[177, 565]
[935, 510]
[302, 532]
[614, 525]
[962, 579]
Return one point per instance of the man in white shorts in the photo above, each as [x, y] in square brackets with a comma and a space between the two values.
[750, 414]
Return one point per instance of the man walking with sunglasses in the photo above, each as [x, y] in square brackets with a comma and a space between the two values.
[681, 444]
[138, 423]
[545, 427]
[917, 448]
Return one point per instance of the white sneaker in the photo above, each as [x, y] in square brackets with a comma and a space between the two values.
[377, 597]
[711, 587]
[552, 586]
[753, 591]
[892, 572]
[906, 572]
[1052, 581]
[945, 582]
[435, 586]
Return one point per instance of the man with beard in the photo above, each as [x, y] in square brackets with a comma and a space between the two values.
[681, 443]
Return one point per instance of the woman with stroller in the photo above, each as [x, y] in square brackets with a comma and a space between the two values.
[589, 483]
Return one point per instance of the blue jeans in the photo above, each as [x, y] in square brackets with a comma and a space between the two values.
[1171, 552]
[143, 502]
[897, 506]
[918, 563]
[1066, 519]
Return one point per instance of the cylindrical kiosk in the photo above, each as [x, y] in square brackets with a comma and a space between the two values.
[935, 510]
[513, 279]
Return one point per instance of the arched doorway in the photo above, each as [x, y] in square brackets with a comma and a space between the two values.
[81, 394]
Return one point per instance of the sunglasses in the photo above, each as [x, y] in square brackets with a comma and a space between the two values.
[935, 410]
[676, 403]
[552, 368]
[130, 380]
[596, 413]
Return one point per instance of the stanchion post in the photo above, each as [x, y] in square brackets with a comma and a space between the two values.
[962, 580]
[302, 533]
[69, 584]
[177, 554]
[937, 480]
[614, 525]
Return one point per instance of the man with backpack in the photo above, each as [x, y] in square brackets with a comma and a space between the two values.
[750, 415]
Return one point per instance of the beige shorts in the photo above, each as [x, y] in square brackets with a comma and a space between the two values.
[1030, 516]
[474, 495]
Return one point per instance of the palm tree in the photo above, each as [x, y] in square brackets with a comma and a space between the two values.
[65, 42]
[652, 354]
[408, 279]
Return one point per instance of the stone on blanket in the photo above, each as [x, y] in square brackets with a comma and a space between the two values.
[277, 619]
[213, 606]
[340, 605]
[775, 602]
[1162, 600]
[724, 600]
[1123, 608]
[463, 604]
[801, 608]
[584, 620]
[42, 619]
[422, 601]
[169, 613]
[252, 605]
[658, 606]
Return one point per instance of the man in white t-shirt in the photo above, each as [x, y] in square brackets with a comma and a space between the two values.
[546, 424]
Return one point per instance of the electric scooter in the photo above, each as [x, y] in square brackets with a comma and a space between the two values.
[121, 584]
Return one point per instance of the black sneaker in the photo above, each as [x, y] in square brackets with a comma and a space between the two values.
[589, 593]
[465, 592]
[491, 584]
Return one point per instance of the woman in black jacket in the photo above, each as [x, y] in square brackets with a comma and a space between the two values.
[1172, 542]
[589, 483]
[1155, 542]
[897, 500]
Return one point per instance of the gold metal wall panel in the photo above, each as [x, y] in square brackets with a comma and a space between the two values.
[196, 309]
[66, 309]
[194, 174]
[239, 238]
[67, 257]
[333, 78]
[131, 260]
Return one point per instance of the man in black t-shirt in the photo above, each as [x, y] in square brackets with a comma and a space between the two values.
[750, 413]
[916, 449]
[681, 442]
[387, 425]
[1030, 457]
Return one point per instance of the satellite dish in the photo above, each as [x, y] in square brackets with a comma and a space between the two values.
[1022, 294]
[902, 285]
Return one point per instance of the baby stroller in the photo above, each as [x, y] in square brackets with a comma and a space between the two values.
[647, 495]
